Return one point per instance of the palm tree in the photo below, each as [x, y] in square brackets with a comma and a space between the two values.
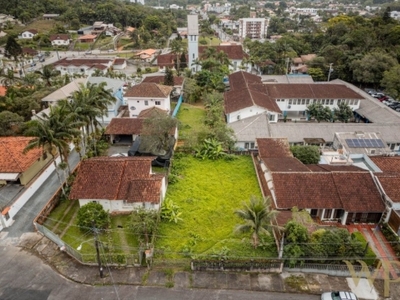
[48, 73]
[257, 216]
[9, 79]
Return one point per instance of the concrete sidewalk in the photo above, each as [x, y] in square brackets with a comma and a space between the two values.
[285, 282]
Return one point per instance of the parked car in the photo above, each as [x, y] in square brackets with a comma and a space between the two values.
[383, 98]
[339, 296]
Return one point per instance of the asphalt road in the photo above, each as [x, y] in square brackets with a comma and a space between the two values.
[24, 276]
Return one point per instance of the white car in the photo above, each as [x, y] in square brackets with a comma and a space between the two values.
[338, 296]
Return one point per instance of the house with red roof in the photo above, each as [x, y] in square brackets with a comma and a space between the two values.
[60, 39]
[21, 175]
[28, 34]
[249, 96]
[121, 184]
[83, 66]
[146, 95]
[340, 194]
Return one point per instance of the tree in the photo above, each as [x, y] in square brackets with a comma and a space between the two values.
[306, 154]
[47, 73]
[391, 81]
[168, 77]
[319, 112]
[210, 149]
[343, 113]
[296, 241]
[90, 212]
[177, 48]
[143, 224]
[12, 49]
[158, 130]
[371, 67]
[317, 74]
[258, 216]
[10, 123]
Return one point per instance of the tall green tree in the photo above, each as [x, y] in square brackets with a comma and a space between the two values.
[10, 123]
[48, 72]
[343, 113]
[168, 77]
[306, 154]
[143, 224]
[319, 112]
[177, 48]
[258, 216]
[12, 49]
[391, 81]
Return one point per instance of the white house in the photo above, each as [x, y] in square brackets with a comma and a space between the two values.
[248, 96]
[82, 66]
[115, 85]
[28, 34]
[120, 184]
[119, 64]
[145, 95]
[60, 39]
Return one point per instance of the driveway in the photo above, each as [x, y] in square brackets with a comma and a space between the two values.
[24, 218]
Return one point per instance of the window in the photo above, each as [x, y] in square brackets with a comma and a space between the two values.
[331, 102]
[193, 55]
[290, 101]
[307, 101]
[303, 101]
[328, 213]
[158, 102]
[246, 145]
[6, 216]
[272, 117]
[146, 102]
[339, 101]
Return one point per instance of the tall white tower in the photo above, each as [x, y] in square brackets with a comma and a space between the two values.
[193, 41]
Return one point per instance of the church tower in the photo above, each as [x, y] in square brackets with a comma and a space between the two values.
[193, 41]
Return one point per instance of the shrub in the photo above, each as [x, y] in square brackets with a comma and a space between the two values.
[306, 154]
[92, 214]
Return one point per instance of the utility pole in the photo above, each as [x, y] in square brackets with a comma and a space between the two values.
[330, 71]
[96, 243]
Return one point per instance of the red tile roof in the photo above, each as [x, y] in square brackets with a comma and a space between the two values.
[273, 147]
[232, 51]
[333, 168]
[126, 126]
[285, 164]
[311, 91]
[246, 91]
[387, 164]
[178, 80]
[117, 178]
[149, 90]
[63, 37]
[12, 159]
[152, 112]
[305, 190]
[68, 61]
[358, 192]
[167, 60]
[119, 61]
[391, 186]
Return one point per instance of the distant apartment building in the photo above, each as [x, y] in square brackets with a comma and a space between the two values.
[253, 28]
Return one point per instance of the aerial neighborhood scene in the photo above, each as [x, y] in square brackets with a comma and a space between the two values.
[199, 149]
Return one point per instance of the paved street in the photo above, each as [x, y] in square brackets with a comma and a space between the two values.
[24, 276]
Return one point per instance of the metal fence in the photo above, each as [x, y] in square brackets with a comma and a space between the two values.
[328, 269]
[269, 266]
[109, 258]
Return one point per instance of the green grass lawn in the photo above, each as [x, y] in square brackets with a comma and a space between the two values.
[208, 193]
[190, 120]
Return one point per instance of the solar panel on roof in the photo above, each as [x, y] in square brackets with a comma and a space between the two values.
[365, 143]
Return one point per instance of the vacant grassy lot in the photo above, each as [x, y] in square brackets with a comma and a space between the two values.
[190, 120]
[208, 193]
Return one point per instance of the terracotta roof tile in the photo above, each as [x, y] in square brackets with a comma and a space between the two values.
[232, 51]
[124, 126]
[306, 190]
[149, 90]
[116, 178]
[358, 192]
[63, 37]
[152, 112]
[333, 168]
[387, 164]
[391, 186]
[178, 80]
[311, 91]
[285, 164]
[119, 61]
[167, 60]
[12, 159]
[273, 147]
[68, 61]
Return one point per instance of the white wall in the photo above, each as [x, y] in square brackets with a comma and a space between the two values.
[140, 104]
[291, 104]
[249, 112]
[28, 193]
[118, 205]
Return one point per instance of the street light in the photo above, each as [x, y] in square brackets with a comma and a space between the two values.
[79, 248]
